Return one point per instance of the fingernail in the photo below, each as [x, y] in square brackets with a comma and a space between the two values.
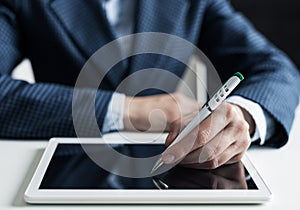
[168, 158]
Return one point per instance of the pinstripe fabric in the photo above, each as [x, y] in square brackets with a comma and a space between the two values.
[58, 36]
[43, 110]
[272, 80]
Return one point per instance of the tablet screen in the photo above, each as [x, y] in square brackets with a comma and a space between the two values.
[71, 168]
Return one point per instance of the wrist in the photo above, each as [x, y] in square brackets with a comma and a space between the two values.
[127, 115]
[133, 112]
[248, 118]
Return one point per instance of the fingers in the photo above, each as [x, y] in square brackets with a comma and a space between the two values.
[177, 126]
[232, 154]
[234, 134]
[221, 138]
[155, 113]
[200, 136]
[212, 149]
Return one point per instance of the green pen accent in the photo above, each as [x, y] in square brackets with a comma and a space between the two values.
[239, 75]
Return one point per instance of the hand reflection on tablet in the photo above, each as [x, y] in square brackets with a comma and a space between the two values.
[225, 177]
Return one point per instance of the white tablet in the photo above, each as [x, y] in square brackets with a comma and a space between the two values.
[67, 175]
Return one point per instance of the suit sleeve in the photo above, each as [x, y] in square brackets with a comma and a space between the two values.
[272, 81]
[35, 111]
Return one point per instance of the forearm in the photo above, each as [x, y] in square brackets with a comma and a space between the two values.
[42, 110]
[272, 80]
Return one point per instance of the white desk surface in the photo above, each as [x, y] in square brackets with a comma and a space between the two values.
[279, 168]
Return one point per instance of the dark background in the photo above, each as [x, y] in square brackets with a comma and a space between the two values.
[278, 20]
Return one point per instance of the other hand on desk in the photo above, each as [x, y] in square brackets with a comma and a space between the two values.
[156, 113]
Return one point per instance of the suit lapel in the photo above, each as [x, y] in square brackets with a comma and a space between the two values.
[84, 22]
[88, 27]
[163, 16]
[160, 15]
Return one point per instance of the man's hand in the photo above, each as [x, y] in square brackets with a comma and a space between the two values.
[156, 113]
[222, 138]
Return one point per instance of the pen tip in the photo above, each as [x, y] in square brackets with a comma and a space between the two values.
[153, 170]
[157, 165]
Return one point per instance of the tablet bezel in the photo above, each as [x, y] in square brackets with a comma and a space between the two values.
[44, 196]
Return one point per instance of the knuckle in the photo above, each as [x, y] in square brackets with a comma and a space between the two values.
[242, 126]
[193, 136]
[173, 116]
[180, 154]
[176, 124]
[245, 125]
[203, 137]
[210, 153]
[213, 164]
[218, 148]
[178, 97]
[238, 157]
[230, 111]
[192, 140]
[237, 147]
[245, 143]
[176, 94]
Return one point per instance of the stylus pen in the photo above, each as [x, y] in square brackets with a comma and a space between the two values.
[206, 110]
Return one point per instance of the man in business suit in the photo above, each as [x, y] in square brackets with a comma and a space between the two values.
[59, 36]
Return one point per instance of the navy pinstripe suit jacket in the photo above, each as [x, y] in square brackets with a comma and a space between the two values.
[58, 36]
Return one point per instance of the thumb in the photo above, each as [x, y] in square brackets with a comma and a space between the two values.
[172, 135]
